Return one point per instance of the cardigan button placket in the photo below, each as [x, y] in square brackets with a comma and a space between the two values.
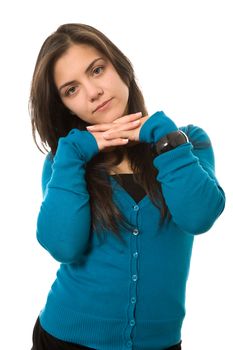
[134, 261]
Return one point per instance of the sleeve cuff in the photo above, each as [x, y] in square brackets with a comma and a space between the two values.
[85, 142]
[156, 127]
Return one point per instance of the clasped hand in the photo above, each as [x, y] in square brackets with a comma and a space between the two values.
[119, 132]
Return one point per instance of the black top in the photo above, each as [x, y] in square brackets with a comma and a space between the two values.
[128, 183]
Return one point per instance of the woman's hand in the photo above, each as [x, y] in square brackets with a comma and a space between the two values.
[119, 132]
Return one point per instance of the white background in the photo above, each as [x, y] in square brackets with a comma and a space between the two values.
[182, 55]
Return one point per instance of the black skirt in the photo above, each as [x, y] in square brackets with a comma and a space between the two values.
[44, 341]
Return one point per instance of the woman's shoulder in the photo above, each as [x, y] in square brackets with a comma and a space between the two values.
[48, 161]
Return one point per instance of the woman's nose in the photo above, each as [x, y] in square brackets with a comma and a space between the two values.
[93, 92]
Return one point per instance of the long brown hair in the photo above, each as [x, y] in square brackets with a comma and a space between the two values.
[51, 120]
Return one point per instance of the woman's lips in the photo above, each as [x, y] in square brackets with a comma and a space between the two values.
[103, 106]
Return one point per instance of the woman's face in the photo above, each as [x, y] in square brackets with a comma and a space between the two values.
[89, 85]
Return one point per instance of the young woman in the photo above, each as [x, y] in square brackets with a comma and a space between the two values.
[124, 194]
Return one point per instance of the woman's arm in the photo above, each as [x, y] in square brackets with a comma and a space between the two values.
[186, 174]
[64, 218]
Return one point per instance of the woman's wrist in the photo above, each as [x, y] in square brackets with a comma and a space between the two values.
[170, 141]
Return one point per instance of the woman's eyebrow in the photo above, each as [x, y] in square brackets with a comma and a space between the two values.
[92, 64]
[86, 71]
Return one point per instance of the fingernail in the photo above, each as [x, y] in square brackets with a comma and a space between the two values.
[89, 127]
[139, 113]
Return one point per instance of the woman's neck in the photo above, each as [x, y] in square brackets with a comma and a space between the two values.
[122, 168]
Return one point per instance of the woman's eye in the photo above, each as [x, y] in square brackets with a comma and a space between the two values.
[70, 91]
[98, 70]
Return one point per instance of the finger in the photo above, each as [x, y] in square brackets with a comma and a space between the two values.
[122, 131]
[116, 135]
[119, 126]
[115, 142]
[128, 118]
[123, 127]
[99, 127]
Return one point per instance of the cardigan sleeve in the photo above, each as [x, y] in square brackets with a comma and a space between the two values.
[64, 219]
[187, 175]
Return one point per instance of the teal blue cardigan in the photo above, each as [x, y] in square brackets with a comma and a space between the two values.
[114, 295]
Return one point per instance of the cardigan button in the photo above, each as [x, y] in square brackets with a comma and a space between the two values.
[135, 232]
[133, 300]
[134, 278]
[129, 344]
[132, 323]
